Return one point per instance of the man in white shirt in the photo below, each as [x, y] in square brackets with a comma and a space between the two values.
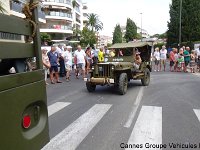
[163, 57]
[80, 59]
[67, 55]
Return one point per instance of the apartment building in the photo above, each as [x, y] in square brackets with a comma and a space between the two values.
[104, 40]
[61, 17]
[85, 13]
[14, 8]
[57, 17]
[142, 32]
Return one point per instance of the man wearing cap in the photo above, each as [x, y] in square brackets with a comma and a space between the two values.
[67, 55]
[163, 57]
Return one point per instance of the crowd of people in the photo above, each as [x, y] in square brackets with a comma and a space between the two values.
[180, 60]
[60, 61]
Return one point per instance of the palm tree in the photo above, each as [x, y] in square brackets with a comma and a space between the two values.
[94, 23]
[2, 10]
[74, 3]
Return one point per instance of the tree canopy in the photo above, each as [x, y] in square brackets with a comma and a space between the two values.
[117, 34]
[93, 22]
[190, 21]
[131, 30]
[88, 37]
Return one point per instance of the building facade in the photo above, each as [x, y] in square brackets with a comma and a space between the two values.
[14, 8]
[104, 40]
[61, 18]
[58, 18]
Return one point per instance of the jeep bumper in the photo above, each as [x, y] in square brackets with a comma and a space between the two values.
[100, 80]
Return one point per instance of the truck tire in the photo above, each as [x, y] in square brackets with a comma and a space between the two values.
[146, 80]
[123, 83]
[90, 87]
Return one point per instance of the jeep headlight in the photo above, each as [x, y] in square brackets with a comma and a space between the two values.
[112, 67]
[92, 67]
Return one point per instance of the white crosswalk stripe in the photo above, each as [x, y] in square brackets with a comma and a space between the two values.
[148, 127]
[73, 135]
[52, 109]
[135, 107]
[197, 112]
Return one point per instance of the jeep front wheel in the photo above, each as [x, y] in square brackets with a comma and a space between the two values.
[146, 80]
[90, 87]
[123, 83]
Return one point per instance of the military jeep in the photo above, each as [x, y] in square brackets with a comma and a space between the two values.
[119, 70]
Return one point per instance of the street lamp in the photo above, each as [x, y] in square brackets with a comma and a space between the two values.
[141, 26]
[180, 24]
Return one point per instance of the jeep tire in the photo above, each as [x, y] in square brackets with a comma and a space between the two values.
[90, 87]
[146, 80]
[123, 83]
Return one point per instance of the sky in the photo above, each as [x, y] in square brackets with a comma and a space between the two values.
[155, 14]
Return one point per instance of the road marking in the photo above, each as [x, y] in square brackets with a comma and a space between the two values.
[148, 127]
[135, 107]
[52, 109]
[197, 112]
[73, 135]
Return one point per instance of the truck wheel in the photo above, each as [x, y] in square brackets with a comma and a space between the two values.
[146, 80]
[90, 87]
[123, 83]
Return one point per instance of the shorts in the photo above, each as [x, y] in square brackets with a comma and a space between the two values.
[157, 62]
[68, 67]
[171, 63]
[187, 63]
[53, 68]
[163, 61]
[81, 66]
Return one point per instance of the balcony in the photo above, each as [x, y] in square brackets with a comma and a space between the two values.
[16, 10]
[16, 6]
[78, 1]
[77, 9]
[56, 29]
[65, 3]
[59, 15]
[77, 20]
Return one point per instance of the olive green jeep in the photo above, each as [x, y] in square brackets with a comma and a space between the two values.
[120, 69]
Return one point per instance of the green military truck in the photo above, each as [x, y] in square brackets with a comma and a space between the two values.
[119, 70]
[23, 101]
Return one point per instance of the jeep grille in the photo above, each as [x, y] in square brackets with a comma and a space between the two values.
[104, 70]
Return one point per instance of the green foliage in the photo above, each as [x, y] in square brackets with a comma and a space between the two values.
[190, 21]
[138, 36]
[93, 22]
[117, 35]
[160, 36]
[45, 37]
[131, 30]
[73, 3]
[88, 37]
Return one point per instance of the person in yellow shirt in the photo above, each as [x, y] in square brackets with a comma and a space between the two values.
[101, 55]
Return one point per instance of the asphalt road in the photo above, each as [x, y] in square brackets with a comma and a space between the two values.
[163, 113]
